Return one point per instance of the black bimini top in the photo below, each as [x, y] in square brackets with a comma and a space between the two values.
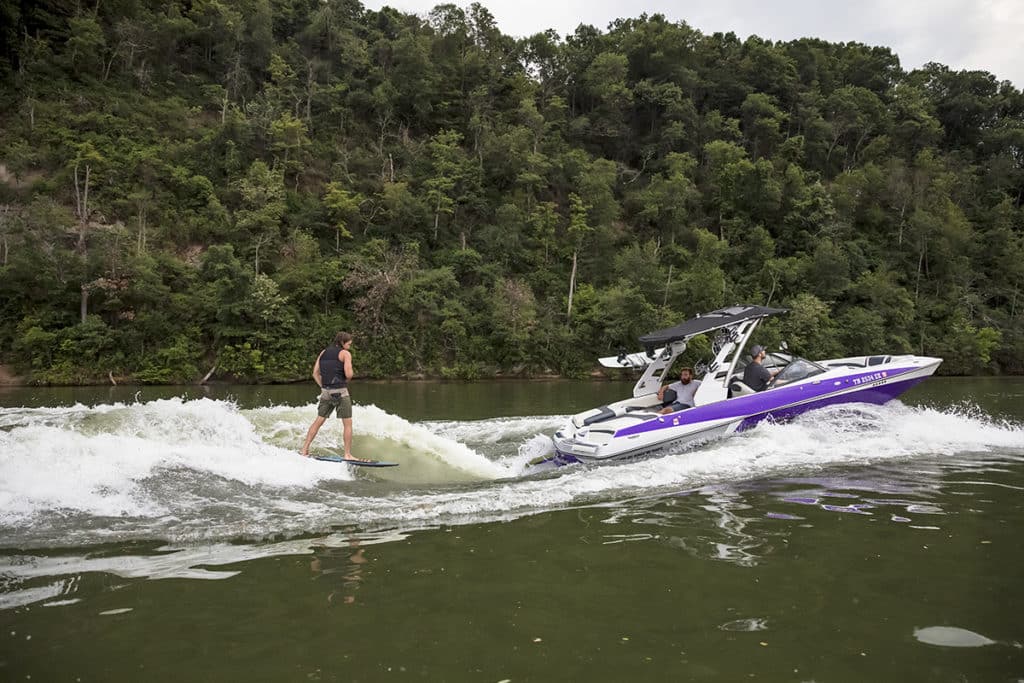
[723, 317]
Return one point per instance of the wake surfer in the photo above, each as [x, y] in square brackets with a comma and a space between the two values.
[332, 372]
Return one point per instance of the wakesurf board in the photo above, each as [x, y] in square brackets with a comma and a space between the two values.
[361, 463]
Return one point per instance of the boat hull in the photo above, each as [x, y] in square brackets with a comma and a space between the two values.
[874, 395]
[720, 419]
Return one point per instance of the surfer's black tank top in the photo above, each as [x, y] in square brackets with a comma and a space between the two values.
[332, 370]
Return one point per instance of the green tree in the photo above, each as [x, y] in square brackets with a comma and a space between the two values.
[578, 230]
[86, 159]
[515, 317]
[262, 206]
[289, 139]
[448, 172]
[762, 123]
[180, 181]
[344, 208]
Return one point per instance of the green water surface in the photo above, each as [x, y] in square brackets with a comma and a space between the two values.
[731, 581]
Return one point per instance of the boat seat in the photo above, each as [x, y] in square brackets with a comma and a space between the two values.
[600, 415]
[639, 409]
[738, 388]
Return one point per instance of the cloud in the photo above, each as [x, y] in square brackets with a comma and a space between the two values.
[985, 35]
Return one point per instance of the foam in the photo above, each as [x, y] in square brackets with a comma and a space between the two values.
[95, 461]
[202, 470]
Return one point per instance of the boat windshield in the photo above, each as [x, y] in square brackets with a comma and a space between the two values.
[797, 369]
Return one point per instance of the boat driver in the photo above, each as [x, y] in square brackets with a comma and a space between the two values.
[756, 375]
[678, 395]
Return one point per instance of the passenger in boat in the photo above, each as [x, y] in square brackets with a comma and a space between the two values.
[678, 395]
[756, 375]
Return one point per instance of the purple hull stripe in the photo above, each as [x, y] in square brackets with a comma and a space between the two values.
[780, 402]
[876, 395]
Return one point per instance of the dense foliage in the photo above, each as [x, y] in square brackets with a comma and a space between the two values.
[228, 182]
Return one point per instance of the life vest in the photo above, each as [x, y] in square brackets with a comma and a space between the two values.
[332, 370]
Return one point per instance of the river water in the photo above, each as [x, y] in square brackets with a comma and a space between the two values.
[173, 534]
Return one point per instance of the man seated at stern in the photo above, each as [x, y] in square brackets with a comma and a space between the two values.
[678, 395]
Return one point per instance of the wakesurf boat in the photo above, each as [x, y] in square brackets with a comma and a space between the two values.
[723, 404]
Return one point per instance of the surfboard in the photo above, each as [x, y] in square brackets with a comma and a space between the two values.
[361, 463]
[629, 360]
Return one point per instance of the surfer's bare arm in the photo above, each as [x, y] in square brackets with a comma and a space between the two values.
[346, 358]
[316, 371]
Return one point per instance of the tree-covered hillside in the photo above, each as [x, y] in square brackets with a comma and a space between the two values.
[229, 182]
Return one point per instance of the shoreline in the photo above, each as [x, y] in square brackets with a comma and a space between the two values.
[9, 379]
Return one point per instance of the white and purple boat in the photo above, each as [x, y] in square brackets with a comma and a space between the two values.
[723, 404]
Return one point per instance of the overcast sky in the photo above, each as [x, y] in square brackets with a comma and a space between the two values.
[963, 34]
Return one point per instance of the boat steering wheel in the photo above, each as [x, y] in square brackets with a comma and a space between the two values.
[778, 371]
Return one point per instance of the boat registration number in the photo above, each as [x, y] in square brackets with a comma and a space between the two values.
[873, 377]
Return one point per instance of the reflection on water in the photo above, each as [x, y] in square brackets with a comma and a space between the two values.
[22, 575]
[15, 597]
[717, 511]
[744, 523]
[733, 540]
[346, 563]
[745, 625]
[740, 524]
[737, 523]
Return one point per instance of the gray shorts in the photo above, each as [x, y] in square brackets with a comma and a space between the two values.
[335, 400]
